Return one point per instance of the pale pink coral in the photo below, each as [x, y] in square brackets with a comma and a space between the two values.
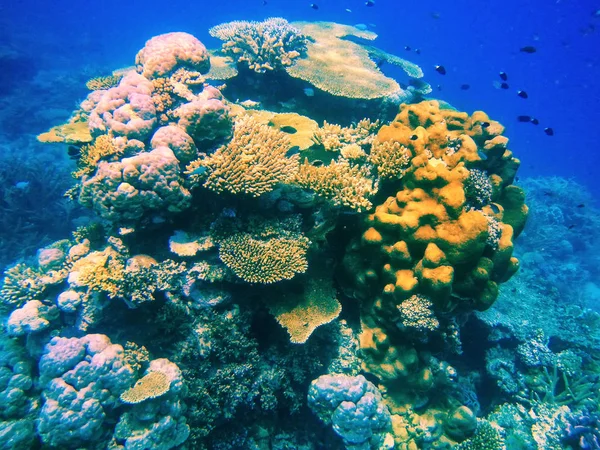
[148, 184]
[125, 110]
[177, 140]
[206, 119]
[164, 54]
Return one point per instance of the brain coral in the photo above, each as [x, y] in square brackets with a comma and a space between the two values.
[125, 110]
[164, 54]
[125, 191]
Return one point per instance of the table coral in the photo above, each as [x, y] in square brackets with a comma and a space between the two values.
[261, 46]
[164, 54]
[125, 191]
[339, 66]
[152, 385]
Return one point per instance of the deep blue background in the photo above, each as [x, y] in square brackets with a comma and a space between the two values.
[474, 40]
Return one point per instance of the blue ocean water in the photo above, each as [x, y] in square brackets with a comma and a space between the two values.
[530, 361]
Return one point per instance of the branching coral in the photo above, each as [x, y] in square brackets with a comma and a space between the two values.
[262, 46]
[345, 183]
[390, 158]
[334, 137]
[103, 147]
[252, 163]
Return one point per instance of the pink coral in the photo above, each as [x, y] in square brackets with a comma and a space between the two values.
[164, 54]
[206, 119]
[125, 110]
[125, 191]
[177, 140]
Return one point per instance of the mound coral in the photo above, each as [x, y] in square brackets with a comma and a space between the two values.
[261, 46]
[125, 191]
[164, 54]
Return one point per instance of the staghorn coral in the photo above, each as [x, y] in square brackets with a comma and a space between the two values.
[344, 183]
[390, 158]
[252, 163]
[334, 137]
[152, 385]
[125, 191]
[164, 54]
[301, 314]
[103, 147]
[261, 46]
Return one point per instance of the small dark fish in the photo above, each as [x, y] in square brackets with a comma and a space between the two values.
[439, 88]
[482, 155]
[74, 152]
[535, 121]
[524, 118]
[293, 151]
[314, 6]
[418, 51]
[522, 94]
[504, 86]
[441, 70]
[288, 129]
[503, 76]
[517, 179]
[484, 125]
[581, 205]
[407, 48]
[495, 209]
[548, 194]
[596, 13]
[435, 15]
[317, 163]
[570, 227]
[465, 87]
[264, 2]
[380, 62]
[369, 3]
[549, 131]
[528, 49]
[414, 137]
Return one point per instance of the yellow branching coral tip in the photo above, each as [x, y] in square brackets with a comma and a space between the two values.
[301, 314]
[264, 261]
[107, 82]
[91, 154]
[252, 163]
[150, 386]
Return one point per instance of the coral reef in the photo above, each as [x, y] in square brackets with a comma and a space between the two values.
[278, 262]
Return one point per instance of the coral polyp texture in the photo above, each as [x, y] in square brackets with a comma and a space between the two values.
[261, 46]
[284, 248]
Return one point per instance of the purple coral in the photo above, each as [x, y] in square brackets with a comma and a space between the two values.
[206, 118]
[148, 183]
[583, 431]
[125, 110]
[164, 54]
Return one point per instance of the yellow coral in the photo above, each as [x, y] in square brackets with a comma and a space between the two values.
[76, 132]
[301, 314]
[103, 147]
[106, 82]
[100, 271]
[339, 66]
[152, 385]
[252, 163]
[344, 183]
[391, 159]
[267, 260]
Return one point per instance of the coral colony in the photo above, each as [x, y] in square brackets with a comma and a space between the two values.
[277, 224]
